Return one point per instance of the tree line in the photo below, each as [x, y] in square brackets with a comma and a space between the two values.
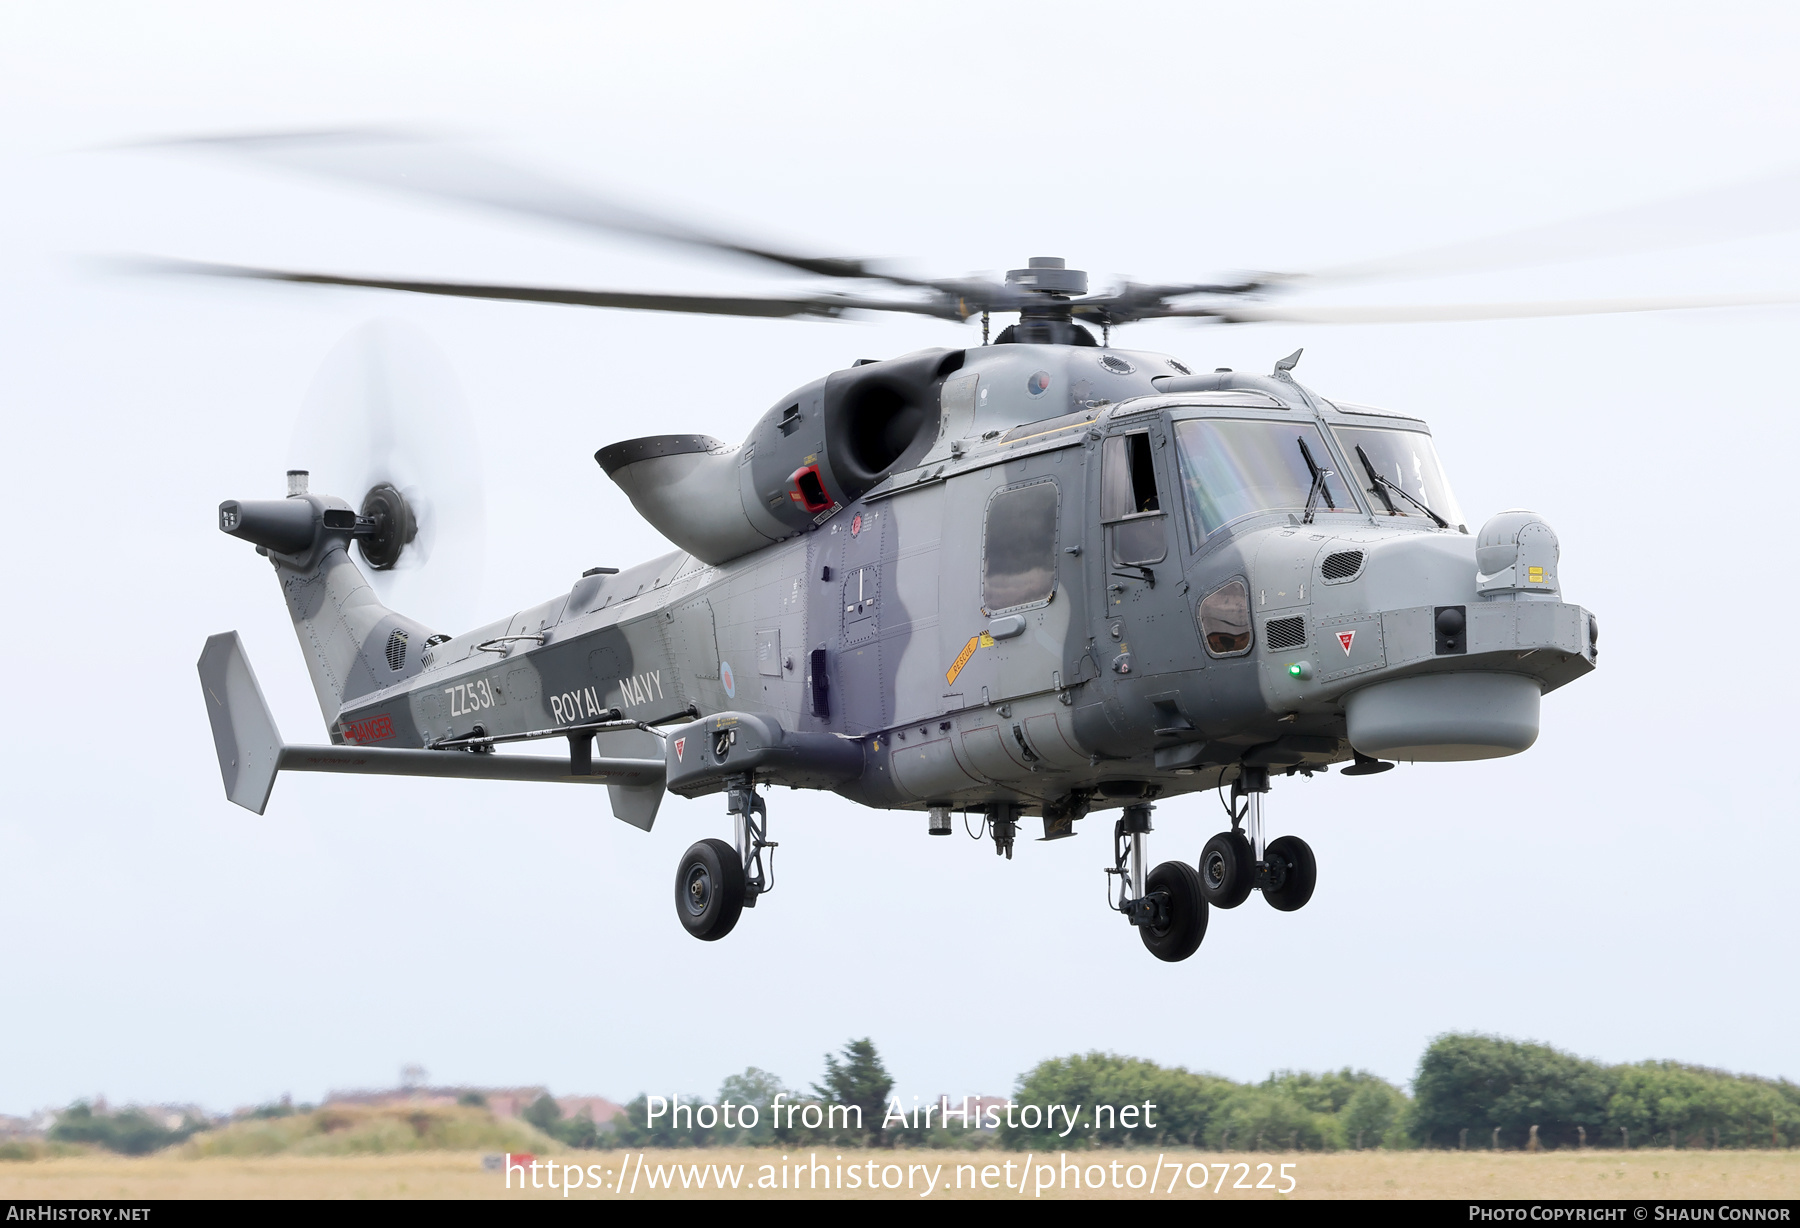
[1470, 1091]
[1482, 1084]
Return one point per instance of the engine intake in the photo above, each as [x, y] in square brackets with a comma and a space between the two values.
[818, 449]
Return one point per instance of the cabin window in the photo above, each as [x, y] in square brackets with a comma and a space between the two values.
[1018, 556]
[1225, 619]
[1129, 501]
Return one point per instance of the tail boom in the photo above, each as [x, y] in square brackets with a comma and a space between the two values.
[251, 752]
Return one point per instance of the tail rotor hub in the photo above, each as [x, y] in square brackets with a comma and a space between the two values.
[395, 526]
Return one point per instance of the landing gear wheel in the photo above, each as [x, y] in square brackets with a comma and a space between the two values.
[1227, 870]
[1291, 873]
[1185, 912]
[709, 890]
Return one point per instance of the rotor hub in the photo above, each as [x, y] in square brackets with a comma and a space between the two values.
[1048, 275]
[1044, 287]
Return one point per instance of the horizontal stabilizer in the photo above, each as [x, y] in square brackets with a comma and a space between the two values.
[462, 765]
[251, 751]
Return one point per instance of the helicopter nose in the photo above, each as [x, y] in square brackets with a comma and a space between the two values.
[1466, 681]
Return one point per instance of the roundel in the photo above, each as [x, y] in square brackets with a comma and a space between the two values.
[1038, 384]
[729, 681]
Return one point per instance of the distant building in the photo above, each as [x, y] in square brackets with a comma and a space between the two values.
[509, 1101]
[951, 1111]
[173, 1116]
[25, 1127]
[501, 1101]
[168, 1116]
[599, 1108]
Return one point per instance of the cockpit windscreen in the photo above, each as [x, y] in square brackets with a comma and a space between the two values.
[1407, 460]
[1232, 467]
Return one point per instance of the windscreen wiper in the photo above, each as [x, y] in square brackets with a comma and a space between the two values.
[1318, 482]
[1382, 486]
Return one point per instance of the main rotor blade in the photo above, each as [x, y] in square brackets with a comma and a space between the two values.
[1260, 313]
[1131, 302]
[1765, 206]
[435, 168]
[821, 306]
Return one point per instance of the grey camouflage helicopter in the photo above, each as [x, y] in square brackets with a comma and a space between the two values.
[1036, 578]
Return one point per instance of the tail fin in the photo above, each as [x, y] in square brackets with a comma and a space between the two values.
[353, 644]
[243, 728]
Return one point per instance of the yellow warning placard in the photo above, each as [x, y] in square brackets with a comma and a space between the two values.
[962, 658]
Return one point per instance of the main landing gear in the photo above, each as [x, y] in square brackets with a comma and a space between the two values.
[716, 882]
[1233, 864]
[1166, 905]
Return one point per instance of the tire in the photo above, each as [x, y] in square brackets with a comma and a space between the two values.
[1227, 870]
[709, 890]
[1187, 912]
[1292, 873]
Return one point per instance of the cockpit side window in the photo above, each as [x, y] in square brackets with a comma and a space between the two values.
[1225, 619]
[1129, 500]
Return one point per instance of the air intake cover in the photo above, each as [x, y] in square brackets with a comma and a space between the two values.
[1343, 565]
[1282, 633]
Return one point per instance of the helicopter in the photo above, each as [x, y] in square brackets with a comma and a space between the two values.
[1036, 579]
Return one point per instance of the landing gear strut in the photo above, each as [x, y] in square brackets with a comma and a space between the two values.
[1165, 905]
[716, 882]
[1233, 862]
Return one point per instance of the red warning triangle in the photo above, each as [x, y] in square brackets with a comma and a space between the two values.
[1346, 638]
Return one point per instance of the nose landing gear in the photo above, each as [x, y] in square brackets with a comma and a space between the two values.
[1165, 905]
[1227, 870]
[715, 882]
[1233, 862]
[1289, 873]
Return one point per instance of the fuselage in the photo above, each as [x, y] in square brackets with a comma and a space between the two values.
[1099, 578]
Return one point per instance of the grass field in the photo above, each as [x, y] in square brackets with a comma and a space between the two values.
[447, 1174]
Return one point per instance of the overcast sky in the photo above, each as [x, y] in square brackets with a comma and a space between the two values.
[1622, 890]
